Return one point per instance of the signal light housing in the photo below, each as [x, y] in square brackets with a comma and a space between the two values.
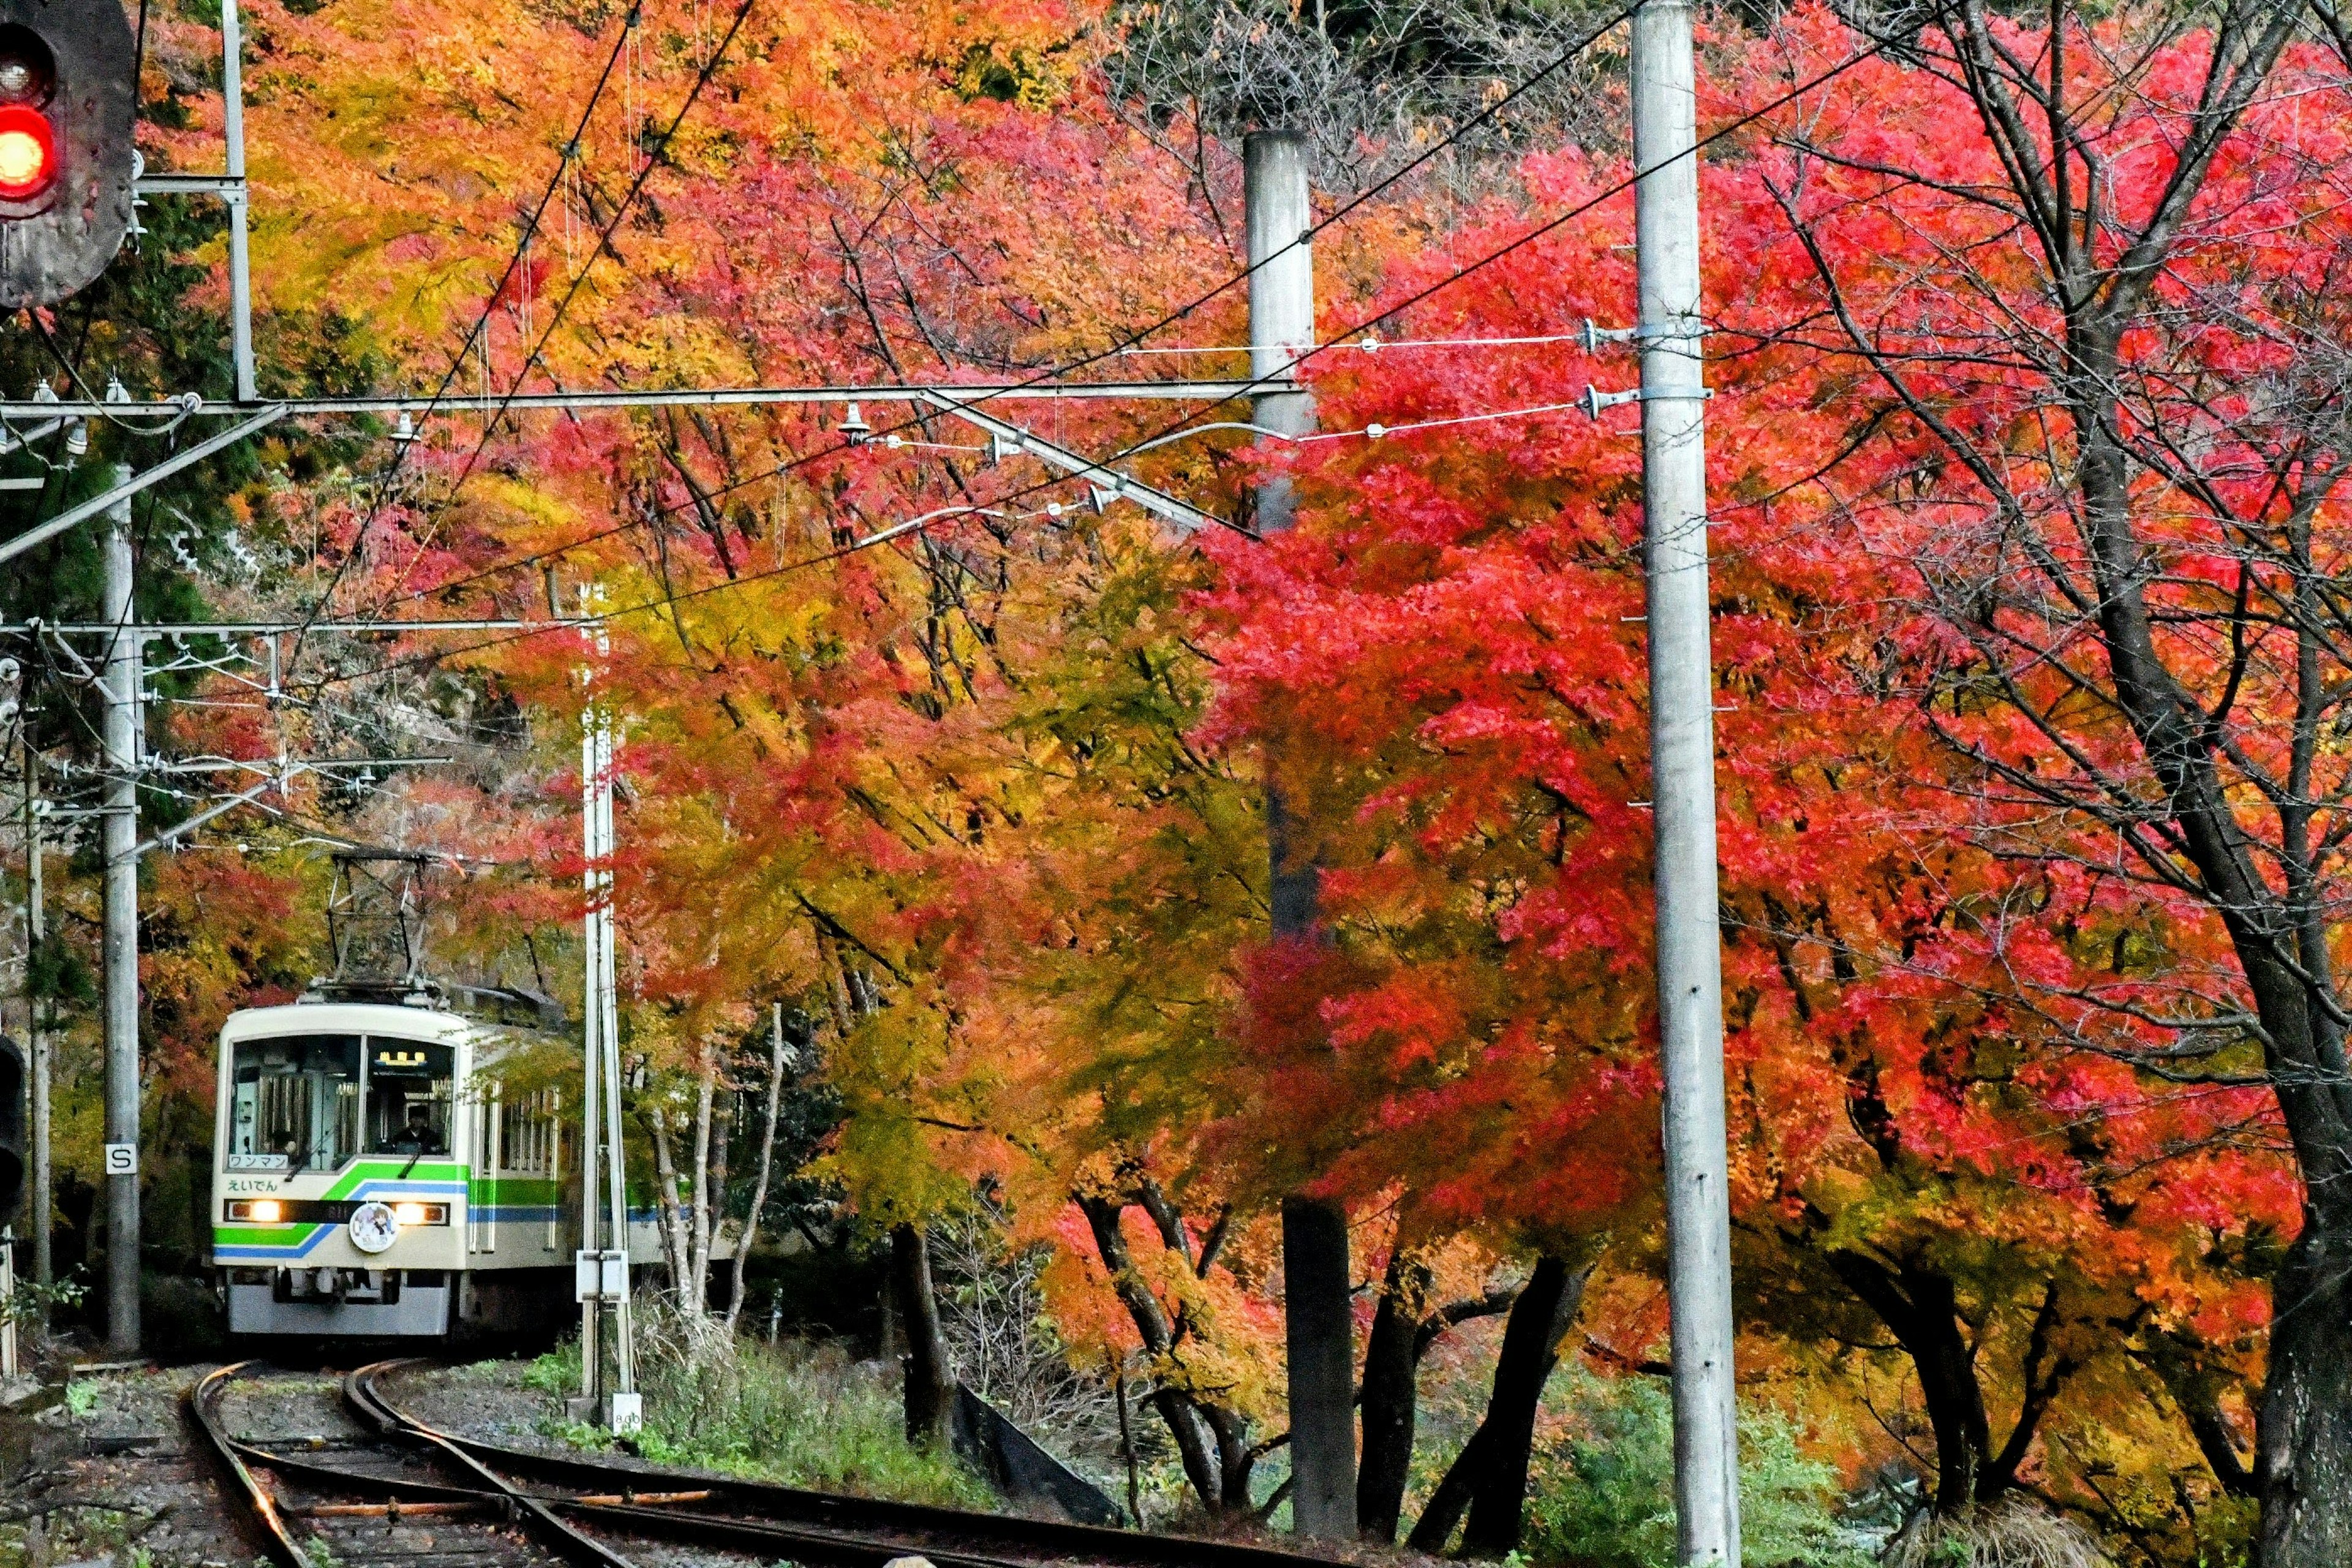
[69, 93]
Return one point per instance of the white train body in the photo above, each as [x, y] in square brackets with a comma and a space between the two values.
[374, 1178]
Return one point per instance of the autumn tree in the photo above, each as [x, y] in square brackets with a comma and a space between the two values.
[2119, 403]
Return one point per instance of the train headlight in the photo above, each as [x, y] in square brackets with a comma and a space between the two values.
[408, 1213]
[267, 1211]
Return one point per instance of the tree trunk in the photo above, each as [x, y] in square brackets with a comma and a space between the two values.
[2305, 1429]
[1489, 1478]
[930, 1384]
[1319, 1335]
[672, 1229]
[694, 1291]
[1452, 1498]
[1207, 1457]
[1918, 1306]
[1531, 1351]
[751, 1237]
[1390, 1400]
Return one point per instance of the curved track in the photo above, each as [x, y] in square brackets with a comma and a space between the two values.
[510, 1508]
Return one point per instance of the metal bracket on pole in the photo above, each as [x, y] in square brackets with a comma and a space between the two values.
[43, 532]
[1007, 437]
[1595, 336]
[1594, 400]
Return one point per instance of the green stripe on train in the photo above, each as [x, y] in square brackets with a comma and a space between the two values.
[538, 1190]
[393, 1171]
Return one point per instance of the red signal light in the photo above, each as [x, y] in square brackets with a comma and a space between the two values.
[28, 152]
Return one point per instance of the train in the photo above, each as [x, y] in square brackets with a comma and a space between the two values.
[396, 1166]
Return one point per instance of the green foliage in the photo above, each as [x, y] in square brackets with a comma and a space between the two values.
[34, 1302]
[81, 1396]
[1603, 1495]
[794, 1414]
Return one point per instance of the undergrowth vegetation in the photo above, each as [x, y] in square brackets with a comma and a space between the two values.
[796, 1414]
[1602, 1492]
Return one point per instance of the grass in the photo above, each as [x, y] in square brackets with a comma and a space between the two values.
[798, 1414]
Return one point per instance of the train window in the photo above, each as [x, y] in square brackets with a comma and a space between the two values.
[408, 1092]
[295, 1103]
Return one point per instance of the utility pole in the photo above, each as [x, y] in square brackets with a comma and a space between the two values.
[603, 1267]
[120, 840]
[36, 1038]
[240, 268]
[1682, 763]
[1317, 1314]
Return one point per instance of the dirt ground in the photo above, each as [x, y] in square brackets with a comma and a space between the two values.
[102, 1467]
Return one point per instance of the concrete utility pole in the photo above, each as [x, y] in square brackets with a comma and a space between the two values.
[123, 724]
[1318, 1319]
[36, 1038]
[1682, 763]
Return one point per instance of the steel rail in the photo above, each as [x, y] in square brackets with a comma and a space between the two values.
[202, 1405]
[358, 1392]
[629, 1507]
[856, 1529]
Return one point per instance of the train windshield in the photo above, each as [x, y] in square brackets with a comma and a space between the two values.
[408, 1091]
[296, 1103]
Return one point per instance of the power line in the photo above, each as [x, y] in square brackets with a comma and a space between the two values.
[1128, 344]
[1338, 340]
[475, 334]
[652, 160]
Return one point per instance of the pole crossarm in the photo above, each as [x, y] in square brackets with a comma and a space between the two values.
[282, 628]
[417, 402]
[228, 187]
[42, 534]
[1161, 504]
[278, 780]
[218, 809]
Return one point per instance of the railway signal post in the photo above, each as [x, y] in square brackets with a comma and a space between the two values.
[67, 92]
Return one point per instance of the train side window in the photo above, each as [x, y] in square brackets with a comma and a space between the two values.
[295, 1103]
[409, 1089]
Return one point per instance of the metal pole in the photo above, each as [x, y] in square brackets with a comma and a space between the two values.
[1318, 1317]
[591, 1015]
[625, 1411]
[240, 272]
[121, 840]
[1682, 762]
[36, 931]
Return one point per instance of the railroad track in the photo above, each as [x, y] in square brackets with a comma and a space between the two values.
[432, 1498]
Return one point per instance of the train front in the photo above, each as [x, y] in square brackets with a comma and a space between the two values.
[339, 1203]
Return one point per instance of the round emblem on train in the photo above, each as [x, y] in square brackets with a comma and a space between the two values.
[374, 1227]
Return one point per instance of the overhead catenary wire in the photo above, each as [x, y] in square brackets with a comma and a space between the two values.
[476, 333]
[1340, 340]
[651, 160]
[1128, 340]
